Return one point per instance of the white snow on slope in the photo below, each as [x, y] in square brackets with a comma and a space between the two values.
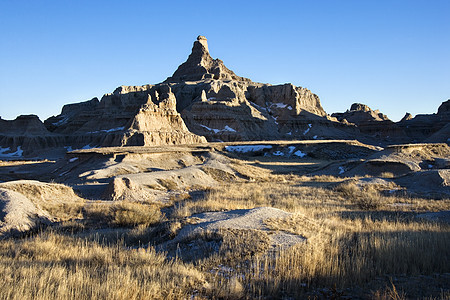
[299, 153]
[210, 129]
[108, 130]
[279, 105]
[307, 129]
[17, 153]
[228, 128]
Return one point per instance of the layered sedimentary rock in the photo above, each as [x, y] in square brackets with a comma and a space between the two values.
[204, 100]
[25, 132]
[372, 123]
[218, 104]
[130, 116]
[433, 128]
[200, 65]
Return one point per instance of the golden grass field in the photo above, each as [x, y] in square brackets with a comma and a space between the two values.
[360, 243]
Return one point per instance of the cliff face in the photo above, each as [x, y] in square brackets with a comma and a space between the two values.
[429, 128]
[204, 100]
[421, 128]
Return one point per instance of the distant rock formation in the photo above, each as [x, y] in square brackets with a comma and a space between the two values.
[205, 101]
[432, 128]
[200, 65]
[371, 122]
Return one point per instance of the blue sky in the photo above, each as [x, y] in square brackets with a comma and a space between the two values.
[392, 55]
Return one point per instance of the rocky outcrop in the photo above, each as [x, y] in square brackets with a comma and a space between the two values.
[432, 128]
[204, 100]
[24, 133]
[406, 117]
[212, 101]
[429, 128]
[372, 123]
[200, 66]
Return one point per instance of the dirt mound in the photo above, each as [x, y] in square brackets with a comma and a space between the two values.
[149, 186]
[18, 214]
[404, 159]
[123, 188]
[427, 182]
[51, 197]
[235, 222]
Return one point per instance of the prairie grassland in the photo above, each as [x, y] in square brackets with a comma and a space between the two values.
[52, 266]
[358, 239]
[354, 236]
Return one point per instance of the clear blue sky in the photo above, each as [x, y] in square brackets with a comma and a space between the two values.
[392, 55]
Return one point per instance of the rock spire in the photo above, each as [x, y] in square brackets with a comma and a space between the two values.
[200, 66]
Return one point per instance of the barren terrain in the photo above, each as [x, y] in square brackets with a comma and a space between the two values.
[273, 219]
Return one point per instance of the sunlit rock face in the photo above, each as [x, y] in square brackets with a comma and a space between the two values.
[205, 101]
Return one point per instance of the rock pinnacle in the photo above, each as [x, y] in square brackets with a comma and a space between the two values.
[202, 40]
[201, 66]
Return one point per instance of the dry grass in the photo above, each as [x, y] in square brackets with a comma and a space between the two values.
[123, 213]
[355, 235]
[366, 197]
[52, 266]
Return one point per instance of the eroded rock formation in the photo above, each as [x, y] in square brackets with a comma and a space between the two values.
[204, 100]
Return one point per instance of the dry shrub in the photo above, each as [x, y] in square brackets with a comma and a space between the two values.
[387, 175]
[123, 213]
[366, 197]
[390, 293]
[134, 213]
[325, 178]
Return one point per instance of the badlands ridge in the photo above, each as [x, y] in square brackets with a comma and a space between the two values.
[205, 101]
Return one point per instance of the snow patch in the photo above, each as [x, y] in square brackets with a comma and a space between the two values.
[108, 130]
[279, 105]
[278, 153]
[307, 129]
[73, 159]
[291, 149]
[341, 170]
[247, 148]
[210, 129]
[299, 153]
[87, 147]
[289, 133]
[17, 153]
[315, 137]
[289, 107]
[228, 128]
[62, 121]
